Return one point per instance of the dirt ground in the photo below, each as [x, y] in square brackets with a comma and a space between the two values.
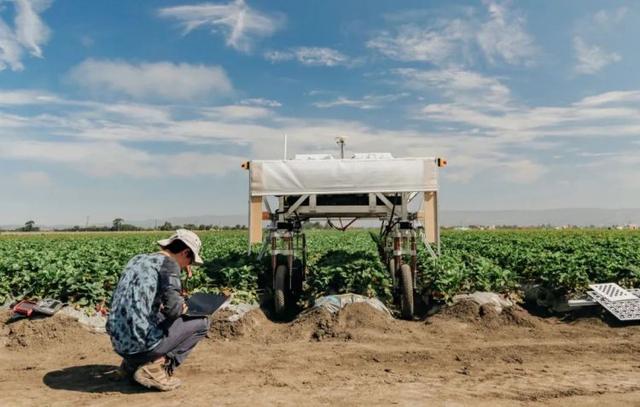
[464, 356]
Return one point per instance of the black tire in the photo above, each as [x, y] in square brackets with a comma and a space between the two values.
[297, 280]
[280, 289]
[406, 296]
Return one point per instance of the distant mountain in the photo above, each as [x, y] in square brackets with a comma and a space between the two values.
[554, 217]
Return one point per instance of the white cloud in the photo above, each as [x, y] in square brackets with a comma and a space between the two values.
[609, 18]
[260, 102]
[366, 102]
[592, 59]
[150, 80]
[237, 112]
[94, 158]
[124, 112]
[95, 138]
[504, 36]
[608, 98]
[430, 44]
[312, 56]
[523, 171]
[34, 179]
[25, 97]
[462, 86]
[90, 138]
[29, 34]
[193, 164]
[520, 123]
[501, 36]
[107, 159]
[240, 24]
[595, 39]
[10, 49]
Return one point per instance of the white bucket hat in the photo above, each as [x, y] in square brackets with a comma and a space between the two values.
[190, 239]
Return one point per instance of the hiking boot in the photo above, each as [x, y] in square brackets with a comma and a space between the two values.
[124, 372]
[127, 369]
[153, 376]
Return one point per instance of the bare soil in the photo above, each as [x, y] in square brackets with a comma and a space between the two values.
[466, 355]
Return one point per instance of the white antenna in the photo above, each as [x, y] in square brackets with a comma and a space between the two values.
[285, 146]
[340, 141]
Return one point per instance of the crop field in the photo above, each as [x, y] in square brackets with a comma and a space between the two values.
[84, 268]
[464, 354]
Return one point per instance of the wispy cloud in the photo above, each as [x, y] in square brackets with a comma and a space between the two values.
[590, 117]
[89, 137]
[609, 18]
[25, 97]
[35, 179]
[260, 102]
[29, 34]
[106, 159]
[150, 80]
[312, 56]
[437, 43]
[240, 24]
[457, 84]
[611, 98]
[595, 39]
[592, 58]
[500, 37]
[92, 136]
[367, 102]
[504, 36]
[237, 112]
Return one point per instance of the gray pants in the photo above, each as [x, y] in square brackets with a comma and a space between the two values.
[180, 338]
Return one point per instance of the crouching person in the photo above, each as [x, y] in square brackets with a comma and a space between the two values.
[147, 321]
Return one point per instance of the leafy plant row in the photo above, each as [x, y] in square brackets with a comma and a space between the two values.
[84, 268]
[564, 261]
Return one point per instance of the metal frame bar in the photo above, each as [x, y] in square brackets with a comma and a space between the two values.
[404, 210]
[312, 203]
[437, 223]
[427, 245]
[384, 200]
[295, 206]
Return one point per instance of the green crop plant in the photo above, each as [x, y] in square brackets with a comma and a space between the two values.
[84, 268]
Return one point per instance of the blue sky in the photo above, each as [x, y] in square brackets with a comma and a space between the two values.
[146, 109]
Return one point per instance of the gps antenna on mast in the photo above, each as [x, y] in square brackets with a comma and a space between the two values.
[340, 141]
[285, 146]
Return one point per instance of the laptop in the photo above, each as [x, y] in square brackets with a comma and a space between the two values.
[204, 305]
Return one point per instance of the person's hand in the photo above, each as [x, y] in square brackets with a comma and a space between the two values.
[185, 308]
[189, 271]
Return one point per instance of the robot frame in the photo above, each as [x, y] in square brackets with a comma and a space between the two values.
[321, 187]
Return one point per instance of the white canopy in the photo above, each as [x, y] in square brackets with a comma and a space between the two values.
[346, 176]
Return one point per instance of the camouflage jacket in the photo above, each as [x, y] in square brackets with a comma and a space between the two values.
[149, 285]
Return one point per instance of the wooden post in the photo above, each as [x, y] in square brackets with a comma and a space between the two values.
[430, 216]
[255, 219]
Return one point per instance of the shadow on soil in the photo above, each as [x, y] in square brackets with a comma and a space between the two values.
[91, 379]
[591, 313]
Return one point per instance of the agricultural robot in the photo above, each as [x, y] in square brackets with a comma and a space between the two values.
[401, 193]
